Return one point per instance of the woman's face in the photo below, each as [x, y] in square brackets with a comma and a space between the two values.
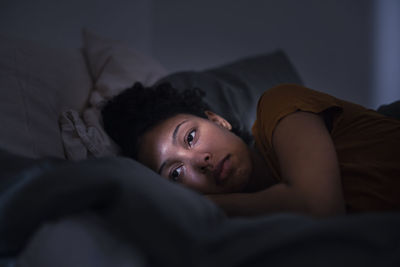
[202, 154]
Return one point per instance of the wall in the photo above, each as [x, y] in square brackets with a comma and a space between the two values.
[338, 46]
[328, 41]
[386, 52]
[59, 22]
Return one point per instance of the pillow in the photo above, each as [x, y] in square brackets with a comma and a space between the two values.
[390, 110]
[36, 84]
[114, 66]
[233, 90]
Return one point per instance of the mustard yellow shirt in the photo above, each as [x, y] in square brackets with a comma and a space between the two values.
[367, 143]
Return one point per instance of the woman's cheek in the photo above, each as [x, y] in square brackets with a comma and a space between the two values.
[196, 182]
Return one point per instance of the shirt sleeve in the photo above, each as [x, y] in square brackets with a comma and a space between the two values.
[284, 99]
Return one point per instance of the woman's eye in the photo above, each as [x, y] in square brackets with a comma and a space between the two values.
[190, 137]
[175, 174]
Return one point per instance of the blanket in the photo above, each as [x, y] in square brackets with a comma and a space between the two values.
[168, 225]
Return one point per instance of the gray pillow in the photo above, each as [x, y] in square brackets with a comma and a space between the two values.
[390, 110]
[37, 83]
[233, 90]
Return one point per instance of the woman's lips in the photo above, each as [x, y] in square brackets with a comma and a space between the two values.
[222, 170]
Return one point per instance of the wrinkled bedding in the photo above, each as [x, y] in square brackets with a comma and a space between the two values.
[158, 223]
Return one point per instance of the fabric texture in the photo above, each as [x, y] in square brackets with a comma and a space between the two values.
[55, 212]
[82, 240]
[138, 204]
[114, 66]
[84, 137]
[36, 84]
[366, 142]
[391, 110]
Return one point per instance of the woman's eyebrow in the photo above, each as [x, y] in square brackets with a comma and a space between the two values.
[176, 131]
[174, 134]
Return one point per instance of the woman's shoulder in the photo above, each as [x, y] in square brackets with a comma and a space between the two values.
[294, 96]
[284, 99]
[285, 88]
[289, 91]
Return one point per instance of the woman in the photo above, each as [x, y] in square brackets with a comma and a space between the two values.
[313, 153]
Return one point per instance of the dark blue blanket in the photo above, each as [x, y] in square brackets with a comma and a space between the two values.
[173, 226]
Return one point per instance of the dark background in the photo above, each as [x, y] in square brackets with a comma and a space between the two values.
[348, 48]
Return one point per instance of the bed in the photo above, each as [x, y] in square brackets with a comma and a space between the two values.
[67, 198]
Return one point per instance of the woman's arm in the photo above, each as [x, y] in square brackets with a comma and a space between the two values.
[309, 169]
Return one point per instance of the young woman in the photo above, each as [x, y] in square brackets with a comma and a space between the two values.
[312, 153]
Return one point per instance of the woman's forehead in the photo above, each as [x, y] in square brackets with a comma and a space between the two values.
[175, 121]
[155, 142]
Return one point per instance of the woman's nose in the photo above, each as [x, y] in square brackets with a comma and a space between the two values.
[203, 161]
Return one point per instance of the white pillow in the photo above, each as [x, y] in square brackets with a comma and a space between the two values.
[36, 84]
[114, 66]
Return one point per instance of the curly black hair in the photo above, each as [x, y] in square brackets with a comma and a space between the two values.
[133, 112]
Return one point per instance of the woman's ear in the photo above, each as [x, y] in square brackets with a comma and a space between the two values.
[218, 119]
